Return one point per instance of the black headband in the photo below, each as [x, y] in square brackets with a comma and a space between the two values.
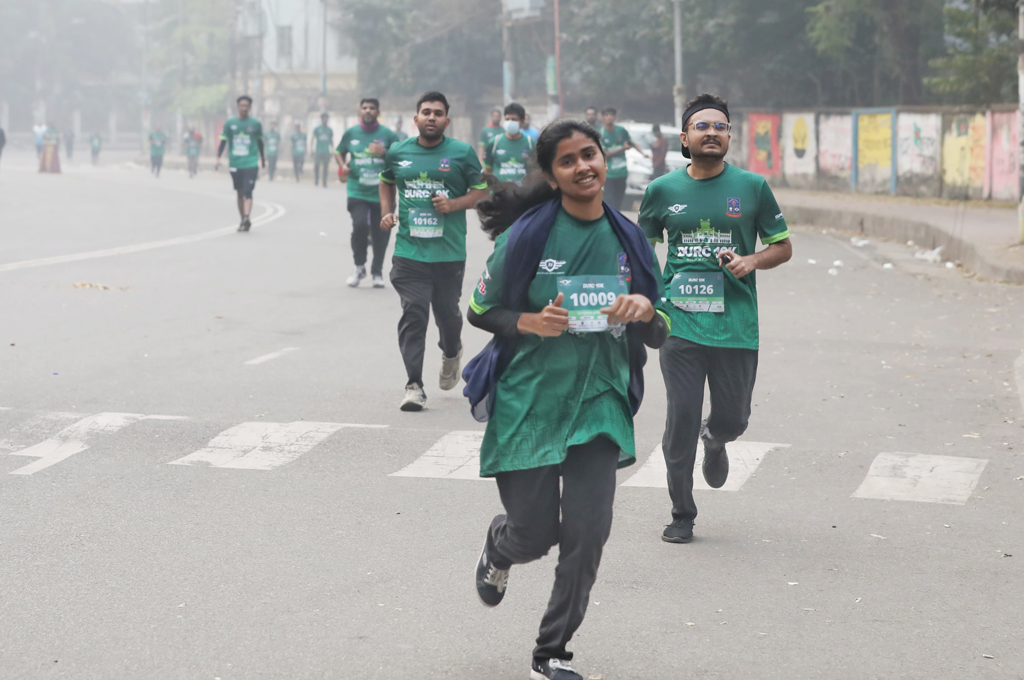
[697, 108]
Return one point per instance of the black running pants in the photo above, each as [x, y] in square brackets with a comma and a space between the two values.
[730, 375]
[577, 518]
[365, 230]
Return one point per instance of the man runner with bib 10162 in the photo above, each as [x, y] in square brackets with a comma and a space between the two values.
[436, 179]
[712, 214]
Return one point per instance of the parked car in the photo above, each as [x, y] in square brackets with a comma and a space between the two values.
[640, 168]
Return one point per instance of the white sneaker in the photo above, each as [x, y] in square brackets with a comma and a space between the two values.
[415, 398]
[450, 371]
[378, 281]
[358, 276]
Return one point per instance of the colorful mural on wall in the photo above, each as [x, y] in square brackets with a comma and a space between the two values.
[763, 144]
[918, 147]
[964, 151]
[800, 149]
[874, 152]
[1003, 168]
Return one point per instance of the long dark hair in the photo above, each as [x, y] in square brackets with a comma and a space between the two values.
[508, 202]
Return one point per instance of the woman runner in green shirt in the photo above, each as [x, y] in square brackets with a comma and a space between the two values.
[562, 407]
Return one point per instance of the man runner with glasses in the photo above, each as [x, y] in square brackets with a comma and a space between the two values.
[713, 213]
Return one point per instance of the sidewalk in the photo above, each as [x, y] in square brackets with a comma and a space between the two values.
[284, 170]
[981, 237]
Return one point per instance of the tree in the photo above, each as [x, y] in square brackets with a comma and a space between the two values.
[980, 64]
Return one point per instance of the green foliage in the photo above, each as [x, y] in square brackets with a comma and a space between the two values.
[202, 101]
[981, 63]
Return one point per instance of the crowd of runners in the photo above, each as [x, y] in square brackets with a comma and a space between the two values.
[572, 295]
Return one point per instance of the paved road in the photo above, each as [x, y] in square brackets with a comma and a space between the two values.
[281, 543]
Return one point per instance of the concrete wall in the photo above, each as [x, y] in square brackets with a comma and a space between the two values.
[763, 156]
[1002, 163]
[835, 151]
[964, 142]
[918, 155]
[874, 151]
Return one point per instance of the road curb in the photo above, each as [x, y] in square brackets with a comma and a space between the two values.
[925, 234]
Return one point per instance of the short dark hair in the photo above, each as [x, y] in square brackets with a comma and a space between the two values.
[370, 100]
[514, 109]
[655, 128]
[245, 97]
[611, 110]
[707, 99]
[433, 97]
[591, 108]
[324, 114]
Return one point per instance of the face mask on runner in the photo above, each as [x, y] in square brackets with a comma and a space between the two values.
[512, 127]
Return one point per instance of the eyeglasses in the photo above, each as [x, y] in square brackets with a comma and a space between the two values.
[704, 126]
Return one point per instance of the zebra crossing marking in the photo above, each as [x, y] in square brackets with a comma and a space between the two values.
[456, 455]
[264, 446]
[744, 457]
[922, 478]
[72, 439]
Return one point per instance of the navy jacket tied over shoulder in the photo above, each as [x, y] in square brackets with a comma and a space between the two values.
[526, 241]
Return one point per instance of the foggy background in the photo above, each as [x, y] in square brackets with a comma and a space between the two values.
[120, 67]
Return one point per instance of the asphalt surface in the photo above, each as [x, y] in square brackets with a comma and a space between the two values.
[117, 565]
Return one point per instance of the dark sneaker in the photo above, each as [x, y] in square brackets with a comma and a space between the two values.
[553, 669]
[716, 461]
[415, 398]
[241, 225]
[490, 581]
[680, 531]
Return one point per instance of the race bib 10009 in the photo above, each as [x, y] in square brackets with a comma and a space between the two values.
[698, 291]
[425, 223]
[585, 296]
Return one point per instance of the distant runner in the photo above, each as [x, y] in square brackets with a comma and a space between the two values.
[193, 143]
[272, 140]
[298, 151]
[157, 142]
[49, 159]
[365, 145]
[436, 179]
[490, 131]
[713, 213]
[95, 146]
[69, 143]
[529, 130]
[323, 137]
[512, 151]
[3, 141]
[659, 150]
[616, 140]
[243, 137]
[591, 115]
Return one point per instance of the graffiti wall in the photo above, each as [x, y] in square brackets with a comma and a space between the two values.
[1002, 164]
[835, 151]
[963, 155]
[763, 144]
[874, 152]
[800, 149]
[918, 147]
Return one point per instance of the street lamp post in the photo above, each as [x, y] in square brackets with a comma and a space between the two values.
[323, 71]
[679, 91]
[1020, 123]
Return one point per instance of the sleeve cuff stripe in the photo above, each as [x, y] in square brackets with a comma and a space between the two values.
[385, 179]
[476, 307]
[776, 238]
[479, 186]
[668, 321]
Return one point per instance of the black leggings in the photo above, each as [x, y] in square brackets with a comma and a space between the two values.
[297, 163]
[614, 191]
[322, 160]
[577, 518]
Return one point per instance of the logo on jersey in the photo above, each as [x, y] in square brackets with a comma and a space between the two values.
[551, 266]
[778, 217]
[404, 164]
[733, 209]
[354, 142]
[501, 152]
[482, 287]
[677, 208]
[444, 165]
[624, 270]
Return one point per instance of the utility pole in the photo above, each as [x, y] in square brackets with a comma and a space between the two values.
[507, 68]
[143, 90]
[558, 62]
[1020, 122]
[679, 91]
[323, 74]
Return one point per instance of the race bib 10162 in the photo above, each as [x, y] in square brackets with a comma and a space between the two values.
[425, 223]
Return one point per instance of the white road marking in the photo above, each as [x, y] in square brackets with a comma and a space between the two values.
[454, 456]
[922, 478]
[72, 440]
[1018, 374]
[264, 446]
[272, 355]
[38, 426]
[274, 211]
[744, 457]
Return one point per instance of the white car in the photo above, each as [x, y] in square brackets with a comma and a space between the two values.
[640, 168]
